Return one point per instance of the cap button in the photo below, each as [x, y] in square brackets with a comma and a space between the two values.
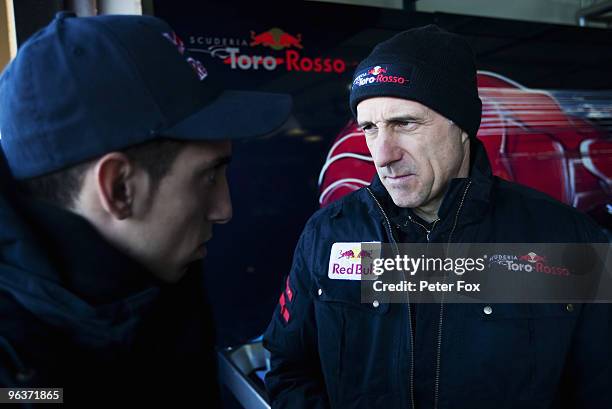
[64, 14]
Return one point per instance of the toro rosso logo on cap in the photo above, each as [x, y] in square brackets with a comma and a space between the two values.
[197, 66]
[378, 75]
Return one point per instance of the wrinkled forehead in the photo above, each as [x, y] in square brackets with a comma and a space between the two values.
[388, 108]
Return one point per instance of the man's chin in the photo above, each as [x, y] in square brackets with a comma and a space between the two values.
[180, 272]
[401, 198]
[406, 202]
[191, 267]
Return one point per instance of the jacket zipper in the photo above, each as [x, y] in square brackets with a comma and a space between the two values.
[392, 238]
[427, 231]
[441, 319]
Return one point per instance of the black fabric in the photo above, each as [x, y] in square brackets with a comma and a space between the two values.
[336, 352]
[77, 313]
[425, 64]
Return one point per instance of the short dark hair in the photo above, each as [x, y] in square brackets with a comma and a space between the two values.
[62, 188]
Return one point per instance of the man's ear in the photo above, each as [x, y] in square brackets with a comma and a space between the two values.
[464, 137]
[116, 184]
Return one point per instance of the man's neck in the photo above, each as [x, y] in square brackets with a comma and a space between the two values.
[429, 213]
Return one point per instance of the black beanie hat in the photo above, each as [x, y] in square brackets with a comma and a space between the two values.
[425, 64]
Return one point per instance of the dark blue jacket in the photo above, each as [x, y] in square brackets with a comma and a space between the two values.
[78, 314]
[329, 350]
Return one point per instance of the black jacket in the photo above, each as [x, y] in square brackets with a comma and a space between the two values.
[330, 350]
[78, 314]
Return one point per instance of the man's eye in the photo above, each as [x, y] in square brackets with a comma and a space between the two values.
[368, 128]
[213, 175]
[407, 124]
[210, 176]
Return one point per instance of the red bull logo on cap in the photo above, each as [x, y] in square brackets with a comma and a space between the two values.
[377, 70]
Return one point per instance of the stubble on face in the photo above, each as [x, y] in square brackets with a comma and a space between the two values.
[416, 150]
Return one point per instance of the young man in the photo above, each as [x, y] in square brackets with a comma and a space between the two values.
[117, 141]
[415, 97]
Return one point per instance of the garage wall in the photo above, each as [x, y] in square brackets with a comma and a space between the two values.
[547, 11]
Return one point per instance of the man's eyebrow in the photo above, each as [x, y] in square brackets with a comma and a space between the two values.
[405, 118]
[361, 124]
[214, 164]
[397, 118]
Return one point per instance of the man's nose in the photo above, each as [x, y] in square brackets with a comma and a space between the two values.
[221, 208]
[385, 149]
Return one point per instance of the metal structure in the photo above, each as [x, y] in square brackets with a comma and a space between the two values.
[598, 12]
[241, 370]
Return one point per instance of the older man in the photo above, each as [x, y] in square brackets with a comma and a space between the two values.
[415, 97]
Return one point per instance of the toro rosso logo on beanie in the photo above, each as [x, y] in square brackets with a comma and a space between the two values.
[379, 75]
[197, 66]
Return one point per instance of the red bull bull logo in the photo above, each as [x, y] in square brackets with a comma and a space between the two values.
[532, 258]
[354, 254]
[347, 254]
[276, 39]
[377, 70]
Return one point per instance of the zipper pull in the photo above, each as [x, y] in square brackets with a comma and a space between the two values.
[407, 222]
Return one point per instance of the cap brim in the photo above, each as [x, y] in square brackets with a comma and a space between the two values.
[233, 115]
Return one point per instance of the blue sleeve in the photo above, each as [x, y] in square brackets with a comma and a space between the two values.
[295, 380]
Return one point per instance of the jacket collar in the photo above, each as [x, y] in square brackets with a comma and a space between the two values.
[90, 266]
[59, 247]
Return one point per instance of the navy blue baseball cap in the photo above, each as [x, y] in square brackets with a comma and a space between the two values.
[85, 86]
